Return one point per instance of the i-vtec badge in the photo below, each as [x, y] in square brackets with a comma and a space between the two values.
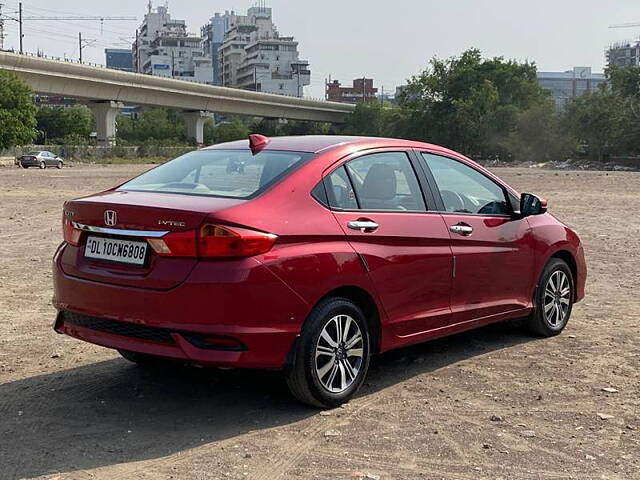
[171, 223]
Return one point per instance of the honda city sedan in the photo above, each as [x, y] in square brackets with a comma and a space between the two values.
[318, 253]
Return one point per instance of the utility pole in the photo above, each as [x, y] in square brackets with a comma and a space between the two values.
[173, 63]
[80, 45]
[1, 29]
[364, 89]
[382, 97]
[20, 22]
[255, 77]
[137, 53]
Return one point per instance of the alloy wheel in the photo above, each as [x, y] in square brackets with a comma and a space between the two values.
[557, 299]
[339, 353]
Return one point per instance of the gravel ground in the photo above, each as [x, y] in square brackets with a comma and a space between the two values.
[488, 404]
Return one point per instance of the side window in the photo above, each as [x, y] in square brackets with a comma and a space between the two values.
[386, 181]
[320, 194]
[340, 191]
[464, 189]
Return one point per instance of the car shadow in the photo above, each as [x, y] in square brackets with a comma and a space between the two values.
[115, 412]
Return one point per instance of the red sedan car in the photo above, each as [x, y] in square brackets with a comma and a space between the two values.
[317, 253]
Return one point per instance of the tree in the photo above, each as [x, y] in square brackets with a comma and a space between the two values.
[367, 119]
[539, 135]
[376, 120]
[56, 123]
[265, 126]
[17, 112]
[469, 103]
[156, 124]
[227, 132]
[624, 81]
[597, 119]
[297, 127]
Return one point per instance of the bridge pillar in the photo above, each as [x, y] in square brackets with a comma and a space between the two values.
[194, 121]
[105, 113]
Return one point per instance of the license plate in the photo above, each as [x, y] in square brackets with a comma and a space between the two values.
[122, 251]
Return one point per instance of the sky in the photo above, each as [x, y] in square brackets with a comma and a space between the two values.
[344, 39]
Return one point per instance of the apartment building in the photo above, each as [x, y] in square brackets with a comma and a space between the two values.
[165, 48]
[254, 56]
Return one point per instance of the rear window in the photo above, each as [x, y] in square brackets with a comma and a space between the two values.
[220, 173]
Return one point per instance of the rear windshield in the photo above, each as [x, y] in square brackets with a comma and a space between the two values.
[220, 173]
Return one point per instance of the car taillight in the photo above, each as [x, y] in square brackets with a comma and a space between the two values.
[177, 244]
[219, 241]
[71, 234]
[213, 241]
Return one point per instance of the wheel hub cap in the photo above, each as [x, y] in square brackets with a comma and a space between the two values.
[339, 353]
[557, 299]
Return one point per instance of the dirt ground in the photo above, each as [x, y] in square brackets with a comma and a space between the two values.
[489, 404]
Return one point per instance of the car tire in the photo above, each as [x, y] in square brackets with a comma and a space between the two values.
[553, 300]
[43, 165]
[59, 165]
[331, 355]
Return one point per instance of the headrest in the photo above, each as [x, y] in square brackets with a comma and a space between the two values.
[380, 182]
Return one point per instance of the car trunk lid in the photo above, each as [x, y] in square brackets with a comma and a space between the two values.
[127, 215]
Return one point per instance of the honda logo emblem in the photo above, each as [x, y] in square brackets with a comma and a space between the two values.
[110, 218]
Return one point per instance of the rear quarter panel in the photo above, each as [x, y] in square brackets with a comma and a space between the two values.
[312, 255]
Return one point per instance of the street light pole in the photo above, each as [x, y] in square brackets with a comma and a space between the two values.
[20, 22]
[80, 45]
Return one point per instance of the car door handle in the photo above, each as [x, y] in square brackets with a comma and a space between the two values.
[363, 225]
[461, 229]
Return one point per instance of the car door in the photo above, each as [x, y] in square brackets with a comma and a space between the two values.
[378, 201]
[492, 248]
[49, 159]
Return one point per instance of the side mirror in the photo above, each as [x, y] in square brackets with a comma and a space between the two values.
[531, 204]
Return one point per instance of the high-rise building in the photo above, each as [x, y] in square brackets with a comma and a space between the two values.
[165, 48]
[570, 84]
[119, 59]
[212, 37]
[624, 54]
[253, 55]
[361, 90]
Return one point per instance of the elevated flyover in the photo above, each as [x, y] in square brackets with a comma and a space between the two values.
[107, 89]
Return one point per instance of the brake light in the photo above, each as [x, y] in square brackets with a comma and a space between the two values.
[71, 234]
[213, 241]
[218, 241]
[176, 244]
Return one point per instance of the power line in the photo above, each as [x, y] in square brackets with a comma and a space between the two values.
[100, 19]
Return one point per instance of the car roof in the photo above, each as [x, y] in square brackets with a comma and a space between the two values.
[319, 143]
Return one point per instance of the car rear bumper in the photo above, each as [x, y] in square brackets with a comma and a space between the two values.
[30, 163]
[251, 306]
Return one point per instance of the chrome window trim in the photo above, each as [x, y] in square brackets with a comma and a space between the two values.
[120, 231]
